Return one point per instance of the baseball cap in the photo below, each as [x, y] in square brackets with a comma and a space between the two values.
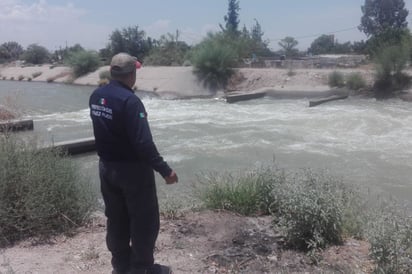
[123, 63]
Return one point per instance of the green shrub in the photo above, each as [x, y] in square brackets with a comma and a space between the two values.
[104, 78]
[171, 209]
[247, 193]
[102, 82]
[390, 64]
[83, 62]
[41, 192]
[317, 211]
[312, 209]
[390, 236]
[336, 79]
[354, 81]
[29, 79]
[213, 60]
[6, 114]
[105, 74]
[291, 73]
[36, 74]
[20, 78]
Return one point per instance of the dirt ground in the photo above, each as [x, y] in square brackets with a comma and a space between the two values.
[198, 242]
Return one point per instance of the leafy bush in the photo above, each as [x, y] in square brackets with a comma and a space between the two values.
[6, 114]
[83, 62]
[102, 82]
[390, 63]
[104, 78]
[20, 78]
[41, 192]
[315, 209]
[336, 79]
[390, 236]
[312, 209]
[105, 74]
[247, 194]
[354, 81]
[214, 59]
[291, 72]
[36, 74]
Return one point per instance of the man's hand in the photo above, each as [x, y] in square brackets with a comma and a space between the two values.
[172, 178]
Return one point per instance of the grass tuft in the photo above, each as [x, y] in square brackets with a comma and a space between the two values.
[247, 194]
[336, 79]
[354, 81]
[41, 192]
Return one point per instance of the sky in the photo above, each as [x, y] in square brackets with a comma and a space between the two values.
[55, 24]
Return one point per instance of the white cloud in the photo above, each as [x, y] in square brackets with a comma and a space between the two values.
[38, 12]
[48, 25]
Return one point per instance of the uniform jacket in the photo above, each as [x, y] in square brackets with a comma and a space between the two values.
[121, 128]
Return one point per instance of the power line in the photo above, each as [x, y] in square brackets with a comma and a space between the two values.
[197, 36]
[316, 35]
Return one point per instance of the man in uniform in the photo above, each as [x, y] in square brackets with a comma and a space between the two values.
[128, 156]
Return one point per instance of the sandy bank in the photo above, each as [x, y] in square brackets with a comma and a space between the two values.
[180, 82]
[165, 81]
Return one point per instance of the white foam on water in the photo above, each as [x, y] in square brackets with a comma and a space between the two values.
[367, 141]
[81, 116]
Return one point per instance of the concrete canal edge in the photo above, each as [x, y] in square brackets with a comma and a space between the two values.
[78, 146]
[327, 99]
[16, 125]
[323, 95]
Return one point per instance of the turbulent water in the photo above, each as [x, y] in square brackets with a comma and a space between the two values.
[363, 141]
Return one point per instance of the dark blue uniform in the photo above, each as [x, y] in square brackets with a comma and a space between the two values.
[128, 156]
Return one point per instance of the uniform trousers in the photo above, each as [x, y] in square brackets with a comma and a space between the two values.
[132, 211]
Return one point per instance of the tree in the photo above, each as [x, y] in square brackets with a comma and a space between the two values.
[326, 44]
[168, 51]
[257, 33]
[63, 54]
[10, 51]
[339, 48]
[36, 54]
[380, 16]
[384, 22]
[359, 47]
[322, 45]
[288, 45]
[251, 42]
[232, 18]
[130, 40]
